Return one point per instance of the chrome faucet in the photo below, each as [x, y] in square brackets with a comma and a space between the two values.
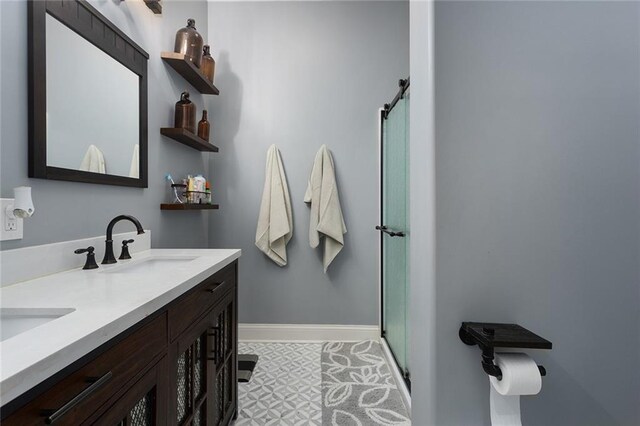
[109, 257]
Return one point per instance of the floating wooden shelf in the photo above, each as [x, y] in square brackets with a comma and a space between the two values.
[154, 5]
[186, 137]
[190, 72]
[189, 206]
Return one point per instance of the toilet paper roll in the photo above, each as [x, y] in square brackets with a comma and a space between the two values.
[520, 376]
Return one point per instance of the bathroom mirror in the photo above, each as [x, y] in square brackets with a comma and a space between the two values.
[87, 97]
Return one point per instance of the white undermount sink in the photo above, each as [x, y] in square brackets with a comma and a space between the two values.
[153, 264]
[14, 321]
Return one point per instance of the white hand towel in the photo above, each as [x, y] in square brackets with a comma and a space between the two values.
[275, 223]
[326, 214]
[134, 169]
[93, 161]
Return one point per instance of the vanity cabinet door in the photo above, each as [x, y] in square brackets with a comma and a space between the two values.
[224, 360]
[202, 376]
[203, 352]
[189, 372]
[144, 403]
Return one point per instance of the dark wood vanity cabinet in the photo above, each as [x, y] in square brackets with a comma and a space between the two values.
[177, 367]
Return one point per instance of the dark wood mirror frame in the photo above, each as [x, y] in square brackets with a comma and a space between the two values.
[86, 21]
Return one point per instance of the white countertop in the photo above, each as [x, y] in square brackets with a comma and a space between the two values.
[105, 303]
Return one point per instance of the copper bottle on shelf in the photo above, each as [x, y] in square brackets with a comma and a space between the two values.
[185, 113]
[203, 127]
[189, 42]
[208, 65]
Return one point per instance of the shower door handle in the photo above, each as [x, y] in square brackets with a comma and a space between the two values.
[390, 232]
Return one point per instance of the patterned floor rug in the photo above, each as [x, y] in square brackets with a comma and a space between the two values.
[357, 387]
[285, 387]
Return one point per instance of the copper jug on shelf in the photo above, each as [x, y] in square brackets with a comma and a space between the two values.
[208, 65]
[189, 42]
[185, 117]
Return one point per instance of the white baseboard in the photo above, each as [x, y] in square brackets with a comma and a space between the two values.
[306, 332]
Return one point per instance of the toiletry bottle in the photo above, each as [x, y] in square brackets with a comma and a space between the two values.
[208, 65]
[190, 190]
[203, 127]
[208, 191]
[189, 42]
[200, 189]
[185, 116]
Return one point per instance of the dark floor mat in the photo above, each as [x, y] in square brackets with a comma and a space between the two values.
[246, 365]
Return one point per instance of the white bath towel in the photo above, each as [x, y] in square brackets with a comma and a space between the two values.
[134, 169]
[326, 214]
[93, 161]
[275, 223]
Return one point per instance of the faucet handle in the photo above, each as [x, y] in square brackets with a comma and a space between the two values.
[91, 257]
[125, 250]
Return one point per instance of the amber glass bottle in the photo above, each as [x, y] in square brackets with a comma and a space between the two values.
[208, 66]
[185, 116]
[203, 127]
[189, 42]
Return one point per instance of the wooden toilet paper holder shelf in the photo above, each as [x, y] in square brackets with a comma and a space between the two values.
[489, 336]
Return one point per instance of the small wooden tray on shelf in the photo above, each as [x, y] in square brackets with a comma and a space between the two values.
[187, 138]
[189, 72]
[186, 206]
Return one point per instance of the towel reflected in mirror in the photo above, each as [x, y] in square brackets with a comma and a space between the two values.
[93, 161]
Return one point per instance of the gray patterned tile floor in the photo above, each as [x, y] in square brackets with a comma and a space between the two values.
[285, 388]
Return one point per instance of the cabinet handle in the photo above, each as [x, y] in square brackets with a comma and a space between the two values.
[216, 336]
[96, 383]
[213, 289]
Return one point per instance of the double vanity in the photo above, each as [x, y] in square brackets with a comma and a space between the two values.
[146, 341]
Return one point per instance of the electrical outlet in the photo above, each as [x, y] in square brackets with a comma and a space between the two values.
[11, 228]
[11, 223]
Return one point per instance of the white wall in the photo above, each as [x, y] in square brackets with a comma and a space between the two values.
[300, 74]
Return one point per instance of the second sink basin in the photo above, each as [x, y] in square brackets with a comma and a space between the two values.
[14, 321]
[153, 264]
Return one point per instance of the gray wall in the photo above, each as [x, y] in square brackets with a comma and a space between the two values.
[67, 210]
[300, 74]
[538, 201]
[422, 285]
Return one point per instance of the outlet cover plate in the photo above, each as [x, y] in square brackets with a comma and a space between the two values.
[13, 234]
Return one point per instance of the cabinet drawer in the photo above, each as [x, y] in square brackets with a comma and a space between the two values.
[143, 404]
[83, 393]
[199, 300]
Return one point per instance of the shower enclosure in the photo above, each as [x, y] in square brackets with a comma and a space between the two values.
[394, 226]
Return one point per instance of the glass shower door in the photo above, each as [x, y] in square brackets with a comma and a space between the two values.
[394, 228]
